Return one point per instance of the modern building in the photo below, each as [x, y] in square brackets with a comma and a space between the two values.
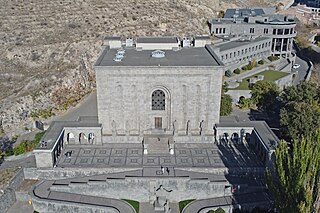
[254, 23]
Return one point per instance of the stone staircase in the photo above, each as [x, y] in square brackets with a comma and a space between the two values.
[158, 144]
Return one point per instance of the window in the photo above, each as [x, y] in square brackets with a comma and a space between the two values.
[158, 100]
[217, 30]
[291, 31]
[286, 31]
[274, 31]
[251, 30]
[224, 30]
[265, 31]
[280, 31]
[220, 30]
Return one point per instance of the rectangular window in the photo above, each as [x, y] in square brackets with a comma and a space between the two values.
[274, 31]
[291, 31]
[251, 30]
[265, 31]
[230, 55]
[224, 30]
[217, 30]
[286, 31]
[280, 31]
[220, 30]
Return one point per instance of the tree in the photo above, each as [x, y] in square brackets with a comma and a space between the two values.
[300, 111]
[226, 105]
[228, 73]
[264, 94]
[296, 184]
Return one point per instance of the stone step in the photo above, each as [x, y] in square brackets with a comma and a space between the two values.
[158, 145]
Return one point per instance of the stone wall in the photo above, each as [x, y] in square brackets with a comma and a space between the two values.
[7, 199]
[285, 81]
[236, 94]
[129, 112]
[7, 196]
[68, 207]
[60, 173]
[174, 189]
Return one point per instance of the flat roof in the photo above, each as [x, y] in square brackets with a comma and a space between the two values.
[163, 39]
[239, 43]
[243, 12]
[55, 129]
[195, 56]
[269, 139]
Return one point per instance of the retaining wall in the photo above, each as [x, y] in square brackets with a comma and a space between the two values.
[174, 189]
[62, 173]
[68, 207]
[7, 199]
[7, 196]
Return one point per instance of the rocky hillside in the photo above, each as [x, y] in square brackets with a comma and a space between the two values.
[48, 47]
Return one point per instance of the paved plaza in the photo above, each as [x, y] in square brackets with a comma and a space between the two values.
[131, 155]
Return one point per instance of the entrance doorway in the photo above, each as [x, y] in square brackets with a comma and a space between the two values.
[158, 122]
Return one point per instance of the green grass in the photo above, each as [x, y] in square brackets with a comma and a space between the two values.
[134, 204]
[269, 75]
[183, 204]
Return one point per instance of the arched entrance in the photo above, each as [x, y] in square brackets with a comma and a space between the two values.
[160, 108]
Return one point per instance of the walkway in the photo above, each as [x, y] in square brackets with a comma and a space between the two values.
[256, 197]
[43, 192]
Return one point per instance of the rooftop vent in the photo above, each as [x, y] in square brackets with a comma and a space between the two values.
[158, 54]
[119, 55]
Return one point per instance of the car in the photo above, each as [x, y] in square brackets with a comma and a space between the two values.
[296, 66]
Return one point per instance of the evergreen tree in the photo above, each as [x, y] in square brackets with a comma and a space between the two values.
[296, 186]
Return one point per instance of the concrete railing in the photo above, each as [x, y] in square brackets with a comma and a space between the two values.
[309, 71]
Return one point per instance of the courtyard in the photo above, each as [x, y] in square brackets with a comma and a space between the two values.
[185, 155]
[269, 75]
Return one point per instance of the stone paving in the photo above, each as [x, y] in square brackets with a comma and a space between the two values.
[131, 155]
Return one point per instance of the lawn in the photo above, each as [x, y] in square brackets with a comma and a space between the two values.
[269, 75]
[134, 204]
[183, 204]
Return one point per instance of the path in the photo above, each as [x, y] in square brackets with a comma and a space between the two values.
[19, 207]
[87, 107]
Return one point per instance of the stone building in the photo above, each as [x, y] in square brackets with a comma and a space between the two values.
[158, 86]
[254, 23]
[156, 94]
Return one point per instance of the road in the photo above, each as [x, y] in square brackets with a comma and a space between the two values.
[301, 71]
[87, 107]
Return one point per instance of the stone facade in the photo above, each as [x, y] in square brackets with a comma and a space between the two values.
[192, 96]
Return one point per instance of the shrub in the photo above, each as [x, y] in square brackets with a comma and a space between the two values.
[228, 73]
[42, 113]
[237, 71]
[261, 62]
[244, 68]
[273, 58]
[245, 103]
